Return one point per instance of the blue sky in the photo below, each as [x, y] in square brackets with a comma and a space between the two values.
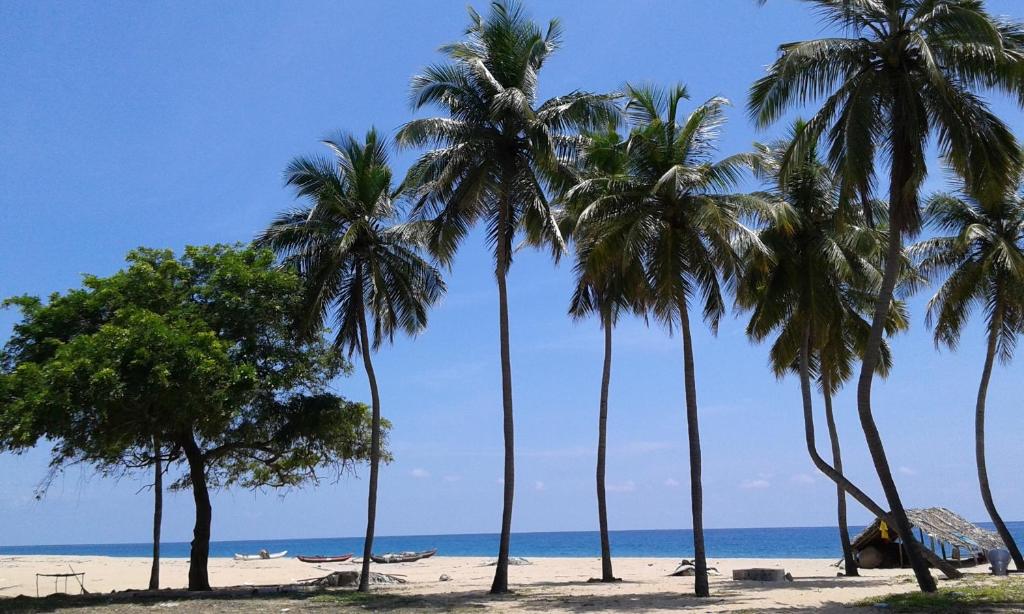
[128, 124]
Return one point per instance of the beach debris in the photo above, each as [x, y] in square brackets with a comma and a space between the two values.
[512, 560]
[687, 567]
[350, 578]
[761, 574]
[444, 578]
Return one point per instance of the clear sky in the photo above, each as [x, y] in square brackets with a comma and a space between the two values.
[156, 124]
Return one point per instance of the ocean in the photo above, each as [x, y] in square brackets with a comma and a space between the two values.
[793, 542]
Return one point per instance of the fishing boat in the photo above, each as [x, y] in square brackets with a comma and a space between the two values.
[262, 555]
[341, 558]
[402, 557]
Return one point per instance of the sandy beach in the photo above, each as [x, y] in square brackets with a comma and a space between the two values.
[548, 584]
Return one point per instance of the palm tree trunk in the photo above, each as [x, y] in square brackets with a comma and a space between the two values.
[701, 588]
[500, 583]
[841, 481]
[371, 502]
[979, 447]
[602, 438]
[158, 511]
[902, 171]
[198, 574]
[837, 462]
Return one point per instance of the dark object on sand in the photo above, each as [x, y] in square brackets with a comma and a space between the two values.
[760, 574]
[402, 557]
[351, 579]
[686, 567]
[341, 558]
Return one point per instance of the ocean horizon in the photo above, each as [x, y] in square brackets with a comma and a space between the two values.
[767, 542]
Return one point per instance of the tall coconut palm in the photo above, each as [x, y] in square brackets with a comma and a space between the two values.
[356, 263]
[814, 291]
[675, 212]
[981, 264]
[606, 286]
[906, 72]
[496, 155]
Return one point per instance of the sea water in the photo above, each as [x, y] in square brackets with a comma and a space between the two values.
[793, 542]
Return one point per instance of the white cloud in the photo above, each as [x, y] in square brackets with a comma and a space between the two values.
[538, 485]
[907, 470]
[419, 473]
[672, 482]
[802, 478]
[755, 484]
[627, 486]
[452, 478]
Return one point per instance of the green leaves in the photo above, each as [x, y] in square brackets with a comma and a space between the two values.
[344, 246]
[197, 348]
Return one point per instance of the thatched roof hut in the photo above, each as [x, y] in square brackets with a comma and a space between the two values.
[943, 532]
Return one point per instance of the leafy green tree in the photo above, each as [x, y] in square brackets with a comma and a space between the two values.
[495, 157]
[196, 352]
[355, 262]
[907, 72]
[606, 285]
[980, 263]
[674, 211]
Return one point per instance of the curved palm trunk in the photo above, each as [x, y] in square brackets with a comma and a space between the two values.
[198, 574]
[841, 481]
[979, 448]
[701, 588]
[602, 438]
[371, 500]
[902, 171]
[837, 462]
[500, 583]
[158, 512]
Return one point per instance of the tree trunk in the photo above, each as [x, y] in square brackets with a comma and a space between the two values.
[371, 503]
[902, 172]
[198, 574]
[979, 447]
[500, 583]
[851, 489]
[701, 588]
[837, 462]
[158, 511]
[602, 438]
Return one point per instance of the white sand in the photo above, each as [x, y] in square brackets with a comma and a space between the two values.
[552, 584]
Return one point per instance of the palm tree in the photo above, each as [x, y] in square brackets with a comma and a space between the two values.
[981, 263]
[495, 157]
[606, 285]
[355, 263]
[815, 285]
[674, 212]
[905, 73]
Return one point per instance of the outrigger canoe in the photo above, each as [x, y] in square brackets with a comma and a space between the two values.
[261, 556]
[341, 558]
[402, 557]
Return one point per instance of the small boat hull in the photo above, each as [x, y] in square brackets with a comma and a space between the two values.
[257, 557]
[341, 558]
[402, 557]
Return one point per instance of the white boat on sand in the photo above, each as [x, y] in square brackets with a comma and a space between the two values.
[262, 555]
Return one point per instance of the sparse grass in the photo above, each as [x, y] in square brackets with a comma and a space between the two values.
[970, 595]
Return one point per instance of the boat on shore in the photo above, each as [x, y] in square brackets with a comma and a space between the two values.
[341, 558]
[402, 557]
[262, 555]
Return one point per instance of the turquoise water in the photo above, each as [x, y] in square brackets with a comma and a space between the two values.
[794, 542]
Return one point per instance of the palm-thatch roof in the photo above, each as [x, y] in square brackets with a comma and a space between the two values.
[938, 526]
